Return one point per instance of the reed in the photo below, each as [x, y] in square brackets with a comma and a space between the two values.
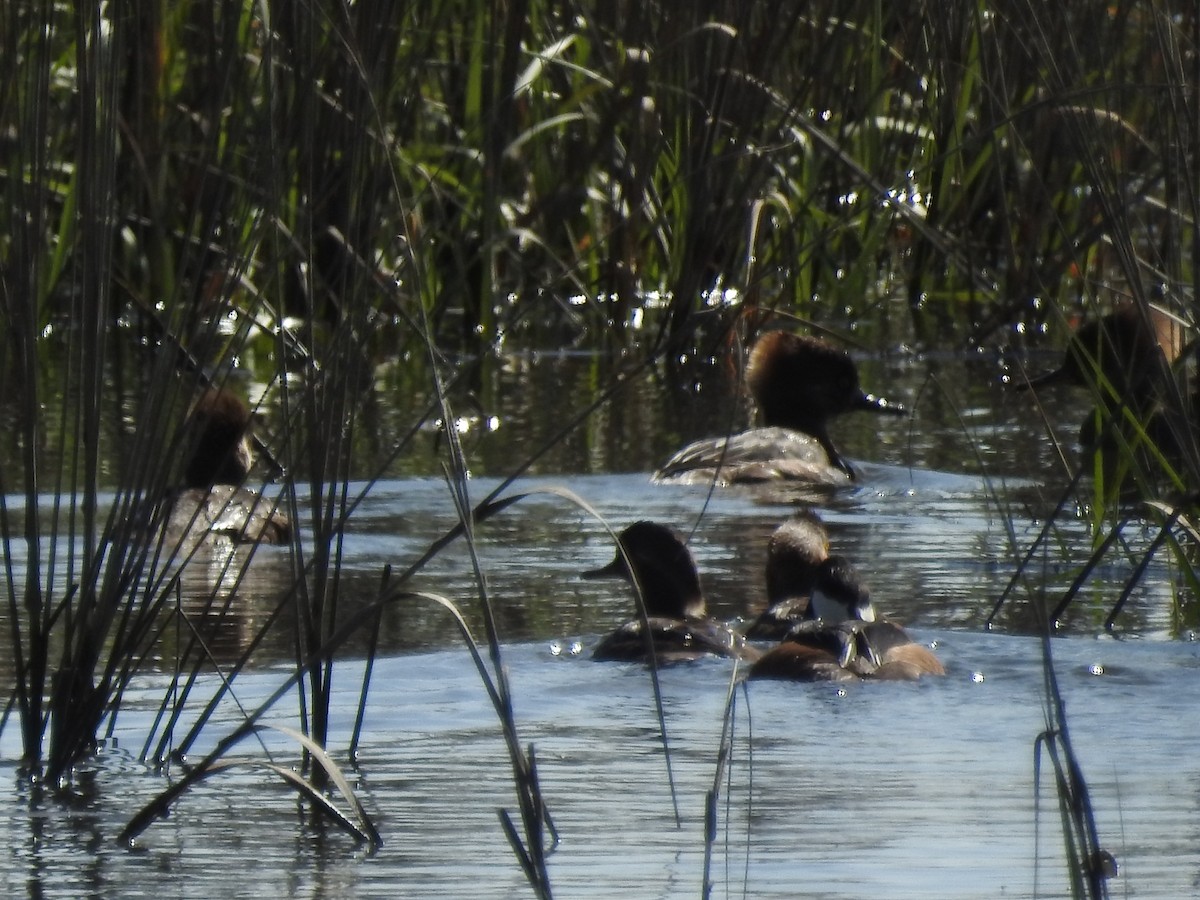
[306, 191]
[480, 156]
[1089, 865]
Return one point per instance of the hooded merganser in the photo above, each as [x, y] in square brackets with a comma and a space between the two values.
[794, 556]
[1123, 356]
[660, 566]
[843, 640]
[799, 383]
[212, 500]
[1120, 353]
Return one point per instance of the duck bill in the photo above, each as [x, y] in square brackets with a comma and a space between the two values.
[874, 403]
[615, 569]
[1054, 377]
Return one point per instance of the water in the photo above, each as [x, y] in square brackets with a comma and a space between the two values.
[886, 790]
[893, 790]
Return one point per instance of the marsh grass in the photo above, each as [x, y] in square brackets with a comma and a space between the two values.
[305, 191]
[1089, 865]
[723, 783]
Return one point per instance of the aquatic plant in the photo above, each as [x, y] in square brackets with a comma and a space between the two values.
[1089, 865]
[310, 192]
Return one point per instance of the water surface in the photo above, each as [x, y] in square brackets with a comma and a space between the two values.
[893, 790]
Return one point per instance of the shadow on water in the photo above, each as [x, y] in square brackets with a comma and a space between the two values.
[889, 790]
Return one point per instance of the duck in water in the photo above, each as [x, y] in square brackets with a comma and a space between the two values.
[1140, 414]
[794, 556]
[799, 383]
[659, 565]
[212, 500]
[842, 639]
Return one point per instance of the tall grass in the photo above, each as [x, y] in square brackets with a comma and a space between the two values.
[303, 191]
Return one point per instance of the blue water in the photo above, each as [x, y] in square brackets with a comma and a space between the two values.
[876, 790]
[888, 790]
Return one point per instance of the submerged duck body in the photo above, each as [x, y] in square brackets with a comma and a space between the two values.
[799, 383]
[843, 640]
[847, 651]
[654, 559]
[212, 501]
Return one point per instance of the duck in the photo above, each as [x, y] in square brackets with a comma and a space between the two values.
[659, 564]
[1120, 353]
[212, 500]
[1124, 356]
[799, 383]
[842, 639]
[795, 552]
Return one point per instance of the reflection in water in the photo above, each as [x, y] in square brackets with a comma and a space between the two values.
[227, 598]
[878, 790]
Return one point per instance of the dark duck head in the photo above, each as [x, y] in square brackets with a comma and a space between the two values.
[654, 559]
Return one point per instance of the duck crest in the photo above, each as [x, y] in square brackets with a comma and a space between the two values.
[1121, 352]
[221, 450]
[799, 382]
[1140, 414]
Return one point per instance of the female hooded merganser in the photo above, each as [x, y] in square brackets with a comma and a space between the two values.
[1120, 353]
[794, 556]
[843, 640]
[1125, 357]
[799, 384]
[212, 500]
[659, 565]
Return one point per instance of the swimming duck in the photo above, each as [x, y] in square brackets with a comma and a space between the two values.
[212, 500]
[844, 640]
[657, 562]
[1122, 348]
[799, 384]
[794, 556]
[1123, 356]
